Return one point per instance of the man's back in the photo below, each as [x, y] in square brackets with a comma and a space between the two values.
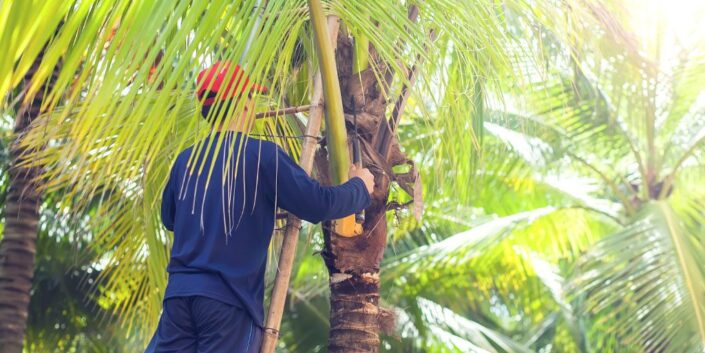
[222, 230]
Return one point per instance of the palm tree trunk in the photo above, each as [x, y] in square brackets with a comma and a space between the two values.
[355, 315]
[353, 266]
[353, 263]
[18, 245]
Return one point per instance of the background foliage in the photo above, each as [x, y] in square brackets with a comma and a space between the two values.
[560, 147]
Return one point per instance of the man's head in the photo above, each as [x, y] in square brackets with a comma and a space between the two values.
[224, 86]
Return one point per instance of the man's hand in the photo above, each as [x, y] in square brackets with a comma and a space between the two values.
[365, 175]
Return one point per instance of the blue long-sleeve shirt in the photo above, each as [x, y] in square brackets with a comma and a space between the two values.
[222, 230]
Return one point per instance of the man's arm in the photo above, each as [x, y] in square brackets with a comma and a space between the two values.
[293, 190]
[169, 202]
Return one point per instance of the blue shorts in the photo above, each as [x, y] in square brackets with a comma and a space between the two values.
[203, 325]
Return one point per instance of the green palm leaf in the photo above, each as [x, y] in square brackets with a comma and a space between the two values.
[649, 279]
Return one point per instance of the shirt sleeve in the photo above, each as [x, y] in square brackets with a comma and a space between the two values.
[169, 202]
[293, 190]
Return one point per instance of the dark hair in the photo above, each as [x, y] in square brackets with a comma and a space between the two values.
[219, 108]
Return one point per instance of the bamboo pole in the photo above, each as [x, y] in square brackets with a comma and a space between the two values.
[291, 235]
[283, 111]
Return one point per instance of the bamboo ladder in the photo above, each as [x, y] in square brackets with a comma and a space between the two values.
[325, 84]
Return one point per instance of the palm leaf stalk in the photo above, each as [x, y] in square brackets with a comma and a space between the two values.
[336, 134]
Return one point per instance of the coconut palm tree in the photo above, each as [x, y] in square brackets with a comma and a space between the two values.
[613, 143]
[21, 213]
[635, 105]
[576, 243]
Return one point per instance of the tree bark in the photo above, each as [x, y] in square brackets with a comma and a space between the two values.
[354, 263]
[18, 245]
[355, 314]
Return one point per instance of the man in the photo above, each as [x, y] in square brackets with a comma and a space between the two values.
[222, 229]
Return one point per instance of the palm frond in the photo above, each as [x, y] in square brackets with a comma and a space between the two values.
[648, 279]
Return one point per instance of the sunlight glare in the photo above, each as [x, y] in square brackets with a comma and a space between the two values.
[669, 25]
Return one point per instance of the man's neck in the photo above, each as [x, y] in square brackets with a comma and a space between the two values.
[237, 125]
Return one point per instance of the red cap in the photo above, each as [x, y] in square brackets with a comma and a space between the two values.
[213, 79]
